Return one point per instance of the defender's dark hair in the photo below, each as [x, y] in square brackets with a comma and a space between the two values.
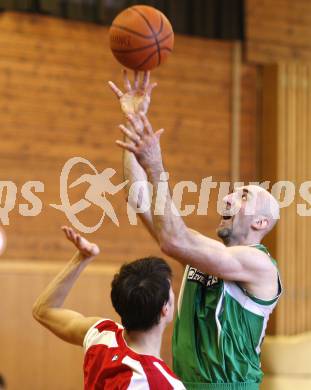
[139, 291]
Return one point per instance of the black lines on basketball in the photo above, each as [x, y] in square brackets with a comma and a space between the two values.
[161, 26]
[137, 35]
[147, 59]
[144, 47]
[152, 54]
[133, 31]
[152, 30]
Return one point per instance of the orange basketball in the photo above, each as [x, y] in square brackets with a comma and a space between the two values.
[141, 37]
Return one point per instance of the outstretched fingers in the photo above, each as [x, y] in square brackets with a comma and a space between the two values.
[70, 234]
[74, 236]
[79, 240]
[126, 146]
[134, 121]
[65, 229]
[115, 89]
[132, 136]
[150, 88]
[159, 133]
[136, 80]
[81, 244]
[145, 82]
[146, 124]
[84, 246]
[127, 84]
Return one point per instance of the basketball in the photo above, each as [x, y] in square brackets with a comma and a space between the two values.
[141, 37]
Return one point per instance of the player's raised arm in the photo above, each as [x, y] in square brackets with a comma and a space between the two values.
[67, 324]
[134, 100]
[175, 239]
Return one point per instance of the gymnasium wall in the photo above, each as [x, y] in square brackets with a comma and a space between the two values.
[286, 130]
[55, 105]
[278, 30]
[278, 39]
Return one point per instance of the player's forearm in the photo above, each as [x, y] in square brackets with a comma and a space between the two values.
[140, 198]
[168, 224]
[56, 292]
[178, 241]
[132, 170]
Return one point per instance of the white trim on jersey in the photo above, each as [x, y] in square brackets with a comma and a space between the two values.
[217, 312]
[95, 337]
[175, 383]
[263, 332]
[182, 289]
[247, 303]
[139, 379]
[235, 292]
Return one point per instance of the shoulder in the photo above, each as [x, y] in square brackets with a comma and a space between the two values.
[256, 266]
[261, 276]
[103, 332]
[252, 256]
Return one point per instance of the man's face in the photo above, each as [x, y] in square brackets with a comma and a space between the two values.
[237, 217]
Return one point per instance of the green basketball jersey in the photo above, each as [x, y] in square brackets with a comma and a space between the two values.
[218, 332]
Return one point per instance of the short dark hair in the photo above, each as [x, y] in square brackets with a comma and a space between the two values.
[139, 291]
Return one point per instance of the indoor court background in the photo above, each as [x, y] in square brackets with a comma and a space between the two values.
[236, 105]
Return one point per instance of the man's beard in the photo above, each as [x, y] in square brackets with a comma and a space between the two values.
[225, 234]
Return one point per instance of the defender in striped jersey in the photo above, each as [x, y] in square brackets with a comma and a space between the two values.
[109, 360]
[116, 357]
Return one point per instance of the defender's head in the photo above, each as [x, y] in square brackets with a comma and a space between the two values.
[250, 212]
[142, 294]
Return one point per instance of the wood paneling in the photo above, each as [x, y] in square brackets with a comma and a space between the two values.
[278, 30]
[31, 354]
[236, 112]
[286, 124]
[55, 104]
[250, 145]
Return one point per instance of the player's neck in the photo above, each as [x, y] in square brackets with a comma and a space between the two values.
[146, 343]
[250, 239]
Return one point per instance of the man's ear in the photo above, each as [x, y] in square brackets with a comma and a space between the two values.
[260, 223]
[164, 310]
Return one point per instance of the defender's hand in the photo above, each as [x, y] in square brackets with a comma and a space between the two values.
[86, 248]
[136, 98]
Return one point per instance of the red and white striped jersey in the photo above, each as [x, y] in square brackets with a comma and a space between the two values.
[111, 365]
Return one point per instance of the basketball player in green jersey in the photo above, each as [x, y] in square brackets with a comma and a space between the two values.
[229, 289]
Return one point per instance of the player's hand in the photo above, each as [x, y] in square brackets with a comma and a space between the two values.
[137, 96]
[145, 144]
[87, 249]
